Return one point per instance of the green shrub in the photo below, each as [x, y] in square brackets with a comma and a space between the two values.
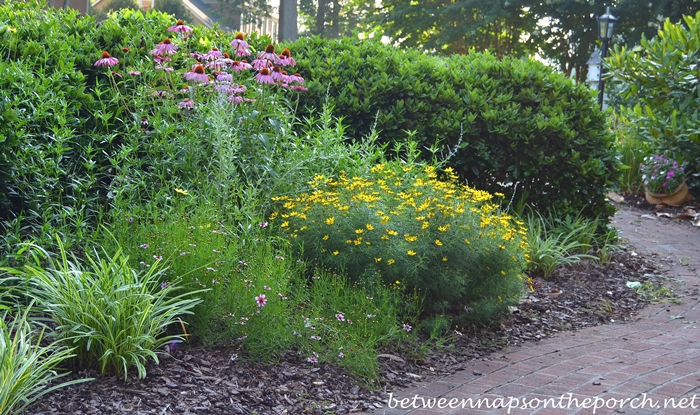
[502, 121]
[399, 225]
[112, 316]
[661, 79]
[631, 150]
[27, 367]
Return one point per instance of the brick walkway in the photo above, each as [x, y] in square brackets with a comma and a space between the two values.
[648, 362]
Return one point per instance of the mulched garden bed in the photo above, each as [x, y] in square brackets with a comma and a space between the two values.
[206, 380]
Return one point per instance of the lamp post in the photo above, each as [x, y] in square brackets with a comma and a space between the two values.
[606, 25]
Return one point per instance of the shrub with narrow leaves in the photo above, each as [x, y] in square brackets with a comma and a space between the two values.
[402, 226]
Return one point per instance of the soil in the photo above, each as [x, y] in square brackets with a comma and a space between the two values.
[206, 381]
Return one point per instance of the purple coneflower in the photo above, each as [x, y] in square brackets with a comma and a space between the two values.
[285, 58]
[239, 42]
[240, 66]
[166, 47]
[106, 60]
[186, 104]
[224, 77]
[277, 74]
[214, 53]
[296, 78]
[235, 99]
[134, 73]
[197, 74]
[258, 64]
[264, 77]
[269, 54]
[180, 27]
[261, 300]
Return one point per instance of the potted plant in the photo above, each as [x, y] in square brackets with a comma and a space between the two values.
[664, 180]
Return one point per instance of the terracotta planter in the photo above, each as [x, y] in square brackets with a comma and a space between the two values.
[677, 198]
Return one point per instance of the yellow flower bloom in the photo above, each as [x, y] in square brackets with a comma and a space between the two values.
[444, 259]
[411, 252]
[359, 231]
[285, 224]
[391, 261]
[425, 225]
[330, 221]
[444, 228]
[377, 260]
[335, 252]
[181, 191]
[438, 242]
[398, 282]
[369, 227]
[325, 237]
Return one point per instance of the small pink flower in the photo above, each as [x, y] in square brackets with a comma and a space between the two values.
[224, 77]
[263, 224]
[340, 317]
[459, 333]
[341, 355]
[106, 60]
[264, 77]
[312, 360]
[265, 287]
[240, 45]
[315, 337]
[143, 246]
[180, 27]
[134, 73]
[166, 47]
[407, 327]
[234, 357]
[186, 104]
[258, 64]
[213, 54]
[197, 74]
[261, 300]
[157, 257]
[241, 66]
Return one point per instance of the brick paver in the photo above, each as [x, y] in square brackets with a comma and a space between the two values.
[652, 364]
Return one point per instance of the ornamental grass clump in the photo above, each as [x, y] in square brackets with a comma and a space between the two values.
[662, 174]
[403, 226]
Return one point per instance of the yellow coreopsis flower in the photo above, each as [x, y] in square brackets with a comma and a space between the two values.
[438, 242]
[391, 261]
[335, 252]
[411, 252]
[369, 227]
[325, 237]
[330, 221]
[444, 259]
[181, 191]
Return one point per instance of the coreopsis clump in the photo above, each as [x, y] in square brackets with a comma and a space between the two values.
[401, 224]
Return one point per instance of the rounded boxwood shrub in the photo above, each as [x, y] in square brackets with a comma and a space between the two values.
[501, 121]
[401, 226]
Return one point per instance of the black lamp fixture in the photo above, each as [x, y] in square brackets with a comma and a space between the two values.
[606, 26]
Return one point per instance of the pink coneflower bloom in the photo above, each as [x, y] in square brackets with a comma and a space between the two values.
[298, 88]
[222, 88]
[161, 59]
[220, 64]
[224, 77]
[235, 99]
[185, 89]
[269, 54]
[261, 300]
[106, 60]
[241, 66]
[264, 77]
[166, 47]
[285, 58]
[144, 121]
[277, 74]
[239, 43]
[197, 74]
[180, 27]
[134, 73]
[214, 53]
[258, 64]
[186, 104]
[197, 56]
[296, 78]
[238, 89]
